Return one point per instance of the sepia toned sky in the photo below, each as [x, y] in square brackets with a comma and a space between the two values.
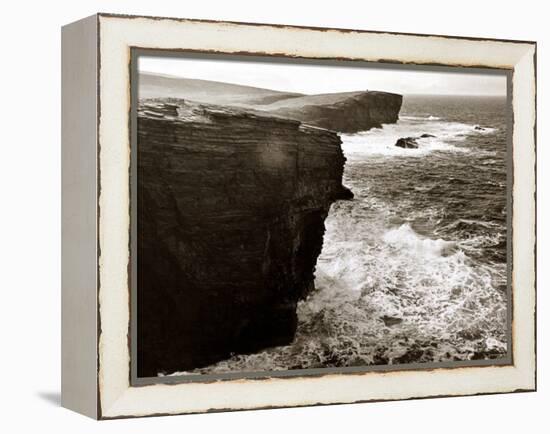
[310, 79]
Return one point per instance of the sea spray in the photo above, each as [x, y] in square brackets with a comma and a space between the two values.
[413, 269]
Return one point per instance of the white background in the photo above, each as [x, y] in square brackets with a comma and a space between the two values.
[30, 217]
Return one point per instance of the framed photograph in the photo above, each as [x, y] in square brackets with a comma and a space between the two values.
[262, 216]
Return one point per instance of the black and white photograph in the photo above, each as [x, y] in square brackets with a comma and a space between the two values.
[296, 216]
[276, 217]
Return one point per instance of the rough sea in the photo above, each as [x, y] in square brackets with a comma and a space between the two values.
[413, 269]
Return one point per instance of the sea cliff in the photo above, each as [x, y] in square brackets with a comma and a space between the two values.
[346, 112]
[231, 208]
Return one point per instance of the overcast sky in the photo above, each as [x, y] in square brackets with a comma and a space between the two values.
[310, 79]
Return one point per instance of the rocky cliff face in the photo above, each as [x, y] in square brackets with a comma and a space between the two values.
[346, 112]
[231, 209]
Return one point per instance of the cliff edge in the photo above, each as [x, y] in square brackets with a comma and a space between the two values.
[231, 208]
[346, 112]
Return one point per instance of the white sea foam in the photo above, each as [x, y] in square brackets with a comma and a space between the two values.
[381, 141]
[430, 288]
[404, 236]
[387, 294]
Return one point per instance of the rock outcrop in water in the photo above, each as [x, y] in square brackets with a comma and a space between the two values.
[412, 142]
[231, 208]
[346, 112]
[407, 143]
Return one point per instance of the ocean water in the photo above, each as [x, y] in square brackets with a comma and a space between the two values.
[413, 269]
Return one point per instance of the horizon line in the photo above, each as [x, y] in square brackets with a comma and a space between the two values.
[163, 74]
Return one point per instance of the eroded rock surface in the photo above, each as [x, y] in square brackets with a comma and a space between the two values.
[407, 143]
[231, 208]
[345, 112]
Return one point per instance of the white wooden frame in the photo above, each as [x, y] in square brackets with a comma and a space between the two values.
[96, 218]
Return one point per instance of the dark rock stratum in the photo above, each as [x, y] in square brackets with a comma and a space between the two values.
[231, 208]
[407, 143]
[345, 112]
[412, 142]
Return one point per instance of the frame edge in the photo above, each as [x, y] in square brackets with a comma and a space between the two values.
[114, 411]
[79, 217]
